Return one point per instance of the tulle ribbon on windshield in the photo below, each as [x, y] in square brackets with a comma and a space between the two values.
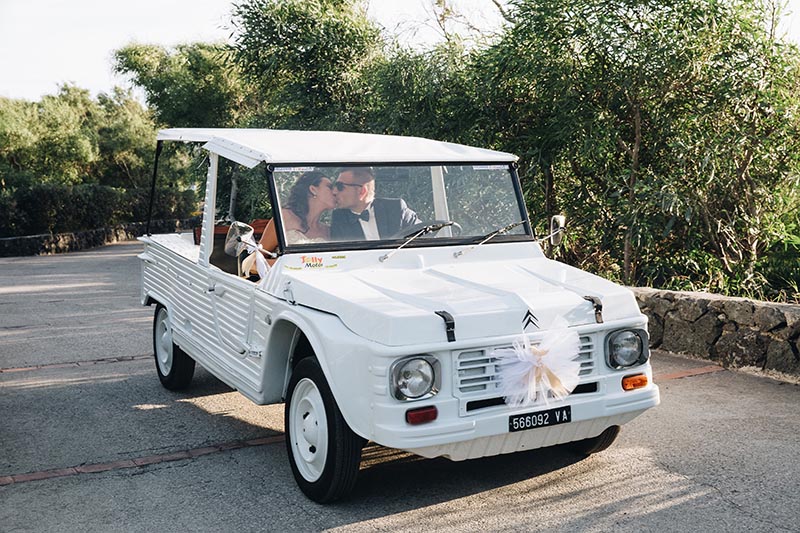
[255, 256]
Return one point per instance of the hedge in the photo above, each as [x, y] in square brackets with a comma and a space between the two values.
[55, 208]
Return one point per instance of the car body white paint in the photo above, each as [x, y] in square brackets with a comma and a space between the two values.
[361, 314]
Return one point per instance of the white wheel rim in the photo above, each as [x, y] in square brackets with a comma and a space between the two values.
[163, 344]
[308, 427]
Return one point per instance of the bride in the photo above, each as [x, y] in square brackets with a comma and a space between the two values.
[310, 196]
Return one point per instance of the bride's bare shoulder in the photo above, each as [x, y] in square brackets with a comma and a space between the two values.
[290, 220]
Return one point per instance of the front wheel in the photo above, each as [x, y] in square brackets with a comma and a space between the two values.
[175, 368]
[595, 444]
[324, 453]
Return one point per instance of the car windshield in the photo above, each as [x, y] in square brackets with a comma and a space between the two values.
[335, 207]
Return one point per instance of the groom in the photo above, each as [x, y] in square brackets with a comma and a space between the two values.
[360, 215]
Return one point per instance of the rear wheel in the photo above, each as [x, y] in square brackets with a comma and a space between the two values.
[595, 444]
[324, 453]
[175, 368]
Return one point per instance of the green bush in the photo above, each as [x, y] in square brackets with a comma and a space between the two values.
[59, 208]
[9, 214]
[168, 203]
[42, 207]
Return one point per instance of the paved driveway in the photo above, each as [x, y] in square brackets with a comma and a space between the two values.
[89, 441]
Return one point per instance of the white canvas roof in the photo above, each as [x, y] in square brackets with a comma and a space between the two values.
[251, 146]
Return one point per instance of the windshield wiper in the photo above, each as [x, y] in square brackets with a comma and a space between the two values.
[430, 228]
[490, 236]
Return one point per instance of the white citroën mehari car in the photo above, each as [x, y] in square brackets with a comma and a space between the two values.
[453, 336]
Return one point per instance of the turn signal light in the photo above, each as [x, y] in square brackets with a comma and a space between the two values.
[634, 382]
[422, 415]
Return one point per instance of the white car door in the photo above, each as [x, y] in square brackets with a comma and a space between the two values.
[231, 304]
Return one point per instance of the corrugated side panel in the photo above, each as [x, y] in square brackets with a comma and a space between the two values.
[185, 285]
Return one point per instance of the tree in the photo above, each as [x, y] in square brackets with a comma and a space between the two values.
[53, 140]
[70, 162]
[305, 57]
[125, 141]
[657, 127]
[426, 94]
[16, 141]
[192, 85]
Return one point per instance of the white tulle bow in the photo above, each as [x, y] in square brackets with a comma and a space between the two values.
[255, 255]
[531, 374]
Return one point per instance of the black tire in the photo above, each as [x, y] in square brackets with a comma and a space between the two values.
[324, 457]
[595, 444]
[175, 369]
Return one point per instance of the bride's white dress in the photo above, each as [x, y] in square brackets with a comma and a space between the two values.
[294, 236]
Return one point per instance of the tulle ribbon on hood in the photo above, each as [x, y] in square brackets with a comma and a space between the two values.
[532, 374]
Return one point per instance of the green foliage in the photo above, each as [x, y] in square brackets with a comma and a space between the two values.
[70, 162]
[124, 142]
[168, 203]
[16, 141]
[69, 138]
[188, 86]
[667, 131]
[51, 139]
[426, 94]
[59, 208]
[305, 57]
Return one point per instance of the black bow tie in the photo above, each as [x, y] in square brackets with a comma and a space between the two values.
[363, 216]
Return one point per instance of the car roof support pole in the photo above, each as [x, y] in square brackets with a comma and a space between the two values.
[159, 145]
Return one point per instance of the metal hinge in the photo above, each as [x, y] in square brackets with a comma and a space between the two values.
[252, 352]
[288, 294]
[449, 325]
[598, 307]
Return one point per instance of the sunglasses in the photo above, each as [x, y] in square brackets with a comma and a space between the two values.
[340, 185]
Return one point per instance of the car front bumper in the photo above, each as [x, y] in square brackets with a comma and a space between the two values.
[487, 434]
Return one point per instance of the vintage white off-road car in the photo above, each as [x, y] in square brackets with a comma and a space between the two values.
[395, 339]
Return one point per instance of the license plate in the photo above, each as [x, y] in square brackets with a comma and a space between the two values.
[551, 417]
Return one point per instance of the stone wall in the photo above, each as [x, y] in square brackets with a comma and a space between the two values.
[736, 332]
[48, 244]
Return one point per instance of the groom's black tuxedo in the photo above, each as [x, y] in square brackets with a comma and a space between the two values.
[391, 215]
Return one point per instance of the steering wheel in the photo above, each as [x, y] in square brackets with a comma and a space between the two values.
[411, 230]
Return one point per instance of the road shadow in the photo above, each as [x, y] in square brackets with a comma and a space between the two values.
[119, 411]
[108, 412]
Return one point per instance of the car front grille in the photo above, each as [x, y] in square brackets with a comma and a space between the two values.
[478, 372]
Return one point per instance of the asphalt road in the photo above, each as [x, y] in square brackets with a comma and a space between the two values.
[89, 441]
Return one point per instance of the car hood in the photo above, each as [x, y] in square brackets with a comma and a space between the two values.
[486, 299]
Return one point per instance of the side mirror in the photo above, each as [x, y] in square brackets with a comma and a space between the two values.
[237, 234]
[558, 225]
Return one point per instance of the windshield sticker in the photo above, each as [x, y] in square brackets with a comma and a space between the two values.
[313, 262]
[294, 169]
[489, 167]
[309, 261]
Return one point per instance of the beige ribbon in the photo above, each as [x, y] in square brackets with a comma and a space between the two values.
[542, 372]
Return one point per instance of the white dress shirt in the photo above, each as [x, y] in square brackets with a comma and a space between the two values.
[370, 226]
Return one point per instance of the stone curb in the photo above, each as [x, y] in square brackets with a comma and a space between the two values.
[736, 332]
[59, 243]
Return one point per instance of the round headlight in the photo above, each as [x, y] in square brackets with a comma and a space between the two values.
[625, 348]
[414, 378]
